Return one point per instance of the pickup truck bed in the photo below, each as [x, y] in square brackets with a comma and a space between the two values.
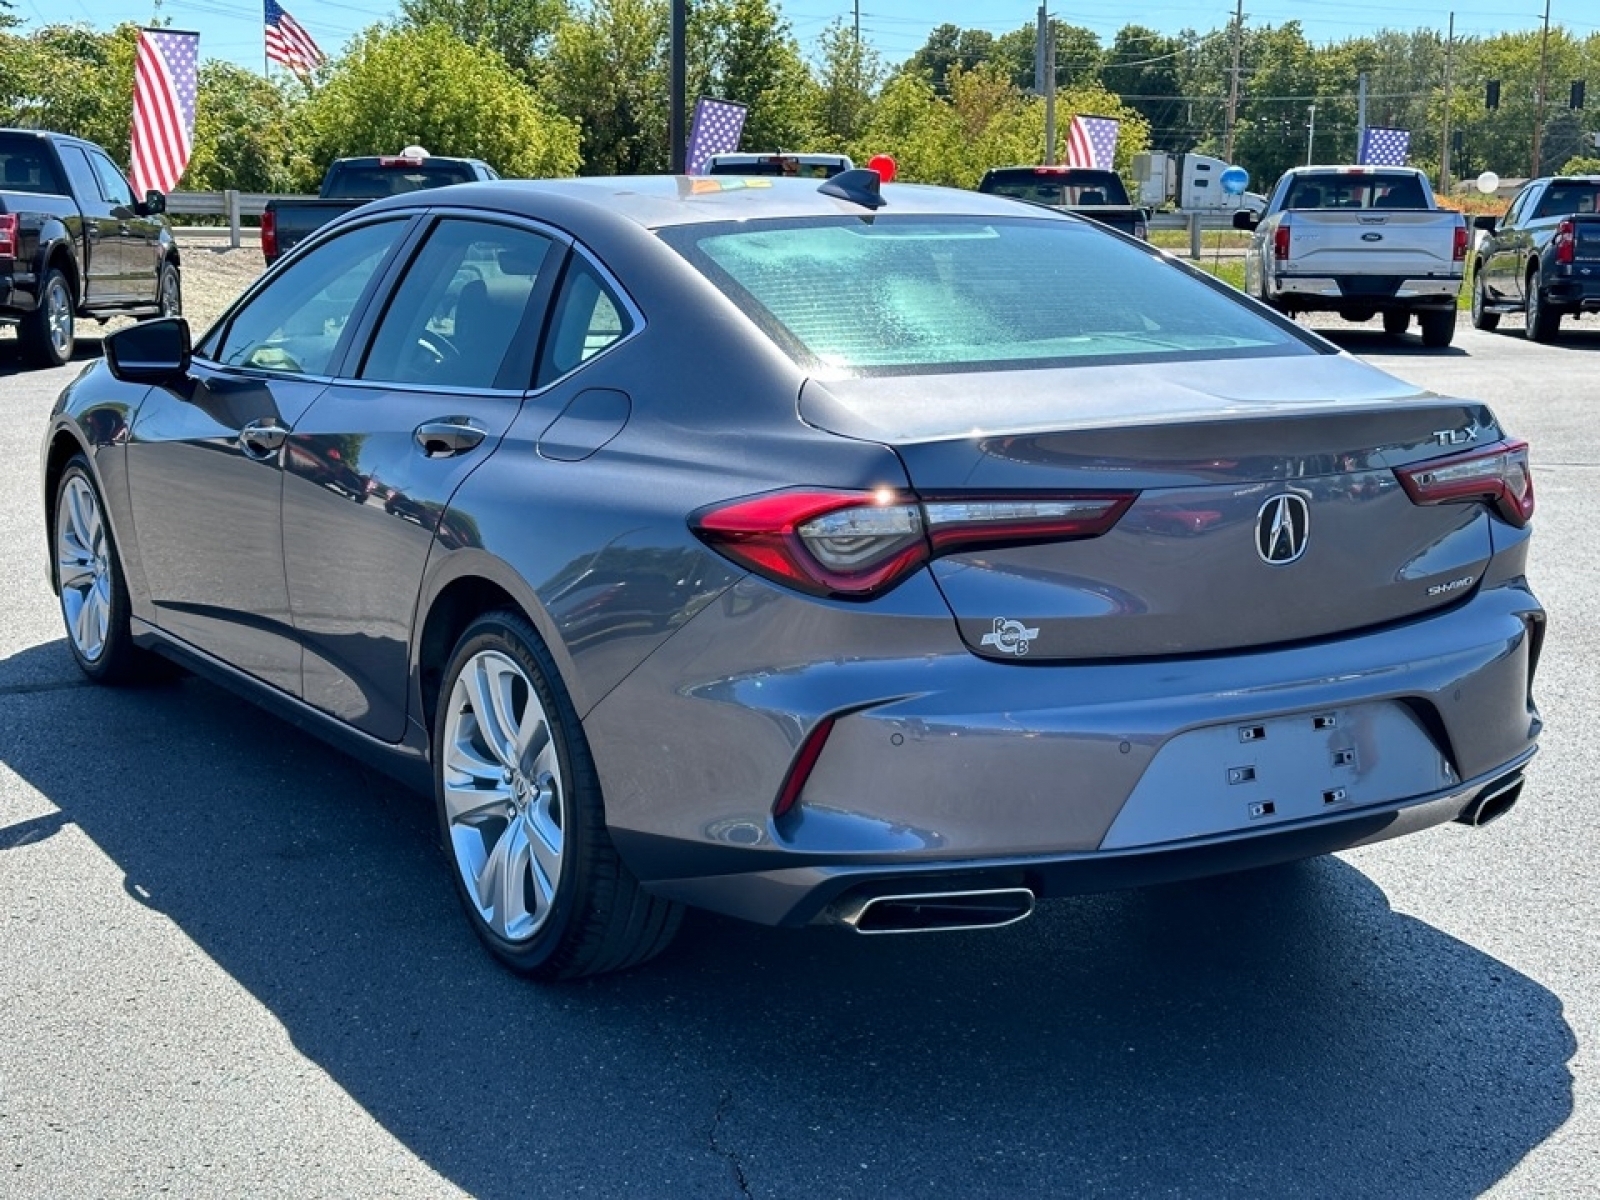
[1542, 259]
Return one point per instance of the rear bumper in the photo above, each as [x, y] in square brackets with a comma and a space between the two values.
[1376, 291]
[1576, 294]
[1078, 776]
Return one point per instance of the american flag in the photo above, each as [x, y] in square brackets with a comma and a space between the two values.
[288, 43]
[716, 129]
[1092, 142]
[164, 85]
[1385, 147]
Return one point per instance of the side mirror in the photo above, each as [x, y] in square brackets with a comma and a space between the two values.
[155, 351]
[1243, 218]
[154, 204]
[1486, 224]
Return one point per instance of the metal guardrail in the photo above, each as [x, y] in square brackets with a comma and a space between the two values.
[235, 205]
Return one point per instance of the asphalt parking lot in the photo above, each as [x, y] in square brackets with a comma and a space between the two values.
[231, 964]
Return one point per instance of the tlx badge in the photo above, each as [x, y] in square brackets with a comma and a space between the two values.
[1010, 637]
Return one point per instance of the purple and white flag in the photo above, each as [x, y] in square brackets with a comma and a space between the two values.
[1385, 147]
[1092, 142]
[716, 129]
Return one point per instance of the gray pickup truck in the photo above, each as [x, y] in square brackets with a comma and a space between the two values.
[75, 243]
[1542, 259]
[1358, 241]
[351, 182]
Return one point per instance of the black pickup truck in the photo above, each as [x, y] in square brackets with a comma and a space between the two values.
[1542, 259]
[1088, 192]
[75, 243]
[351, 182]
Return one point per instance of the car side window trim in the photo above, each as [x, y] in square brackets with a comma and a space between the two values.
[582, 256]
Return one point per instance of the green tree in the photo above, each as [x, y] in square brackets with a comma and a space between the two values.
[743, 51]
[398, 87]
[950, 46]
[607, 72]
[520, 31]
[849, 73]
[244, 134]
[1142, 68]
[73, 80]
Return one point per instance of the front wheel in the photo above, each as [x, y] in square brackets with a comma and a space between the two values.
[522, 820]
[92, 588]
[1543, 318]
[1438, 327]
[46, 336]
[1482, 318]
[169, 291]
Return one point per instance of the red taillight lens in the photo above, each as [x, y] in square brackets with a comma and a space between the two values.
[856, 545]
[269, 235]
[1461, 243]
[8, 235]
[1565, 241]
[1280, 240]
[1498, 475]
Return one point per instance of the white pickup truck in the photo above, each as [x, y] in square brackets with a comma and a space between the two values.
[1358, 241]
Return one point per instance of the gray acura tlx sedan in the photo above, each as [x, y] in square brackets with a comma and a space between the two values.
[885, 557]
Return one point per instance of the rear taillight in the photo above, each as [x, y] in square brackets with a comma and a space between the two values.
[1498, 475]
[1280, 240]
[8, 235]
[856, 545]
[1565, 241]
[1460, 250]
[269, 235]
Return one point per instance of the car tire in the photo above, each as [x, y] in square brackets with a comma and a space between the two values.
[47, 335]
[1396, 321]
[522, 819]
[90, 583]
[169, 291]
[1543, 319]
[1438, 327]
[1482, 318]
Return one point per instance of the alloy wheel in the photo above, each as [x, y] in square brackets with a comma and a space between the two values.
[58, 315]
[83, 565]
[504, 795]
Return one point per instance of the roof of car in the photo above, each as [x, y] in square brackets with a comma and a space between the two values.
[659, 201]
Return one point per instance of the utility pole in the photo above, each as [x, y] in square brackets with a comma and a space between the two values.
[1311, 134]
[1233, 88]
[1444, 146]
[858, 23]
[1044, 79]
[678, 81]
[1361, 113]
[1538, 120]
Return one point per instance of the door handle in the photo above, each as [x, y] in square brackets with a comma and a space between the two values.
[448, 437]
[261, 439]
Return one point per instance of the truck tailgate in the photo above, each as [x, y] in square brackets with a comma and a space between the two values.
[1409, 243]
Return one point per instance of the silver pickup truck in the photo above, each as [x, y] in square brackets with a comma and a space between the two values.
[1358, 241]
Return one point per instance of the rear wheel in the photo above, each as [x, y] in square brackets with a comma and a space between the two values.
[1396, 322]
[46, 336]
[522, 819]
[1438, 326]
[169, 291]
[1543, 319]
[1482, 318]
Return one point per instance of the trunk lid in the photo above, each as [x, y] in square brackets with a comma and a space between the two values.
[1212, 449]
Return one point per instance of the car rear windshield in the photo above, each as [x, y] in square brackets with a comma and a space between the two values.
[1568, 199]
[1073, 188]
[911, 294]
[25, 166]
[779, 167]
[1357, 191]
[369, 183]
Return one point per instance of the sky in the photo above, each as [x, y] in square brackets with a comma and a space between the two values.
[232, 29]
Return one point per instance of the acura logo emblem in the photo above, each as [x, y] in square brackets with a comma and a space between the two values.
[1281, 528]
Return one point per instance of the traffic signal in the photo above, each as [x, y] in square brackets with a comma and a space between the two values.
[1577, 94]
[1491, 95]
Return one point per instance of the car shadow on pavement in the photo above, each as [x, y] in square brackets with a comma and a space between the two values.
[88, 346]
[1283, 1032]
[1584, 337]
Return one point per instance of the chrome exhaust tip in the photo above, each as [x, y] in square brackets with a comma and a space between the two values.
[935, 912]
[1493, 802]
